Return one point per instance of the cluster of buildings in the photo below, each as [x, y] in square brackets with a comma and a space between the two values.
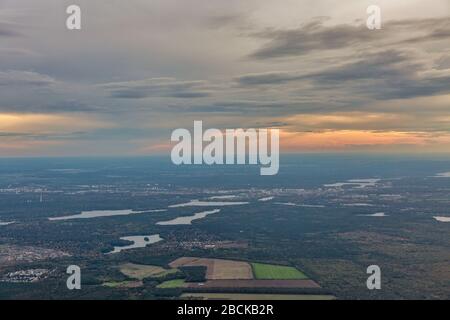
[31, 275]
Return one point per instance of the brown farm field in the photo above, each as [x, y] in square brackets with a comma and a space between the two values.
[218, 269]
[140, 271]
[282, 284]
[254, 296]
[227, 277]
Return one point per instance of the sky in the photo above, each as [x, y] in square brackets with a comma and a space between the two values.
[139, 69]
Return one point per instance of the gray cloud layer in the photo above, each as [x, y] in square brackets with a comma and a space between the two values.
[8, 30]
[316, 36]
[148, 67]
[24, 78]
[391, 74]
[157, 87]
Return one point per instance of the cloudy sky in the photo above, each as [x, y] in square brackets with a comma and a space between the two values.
[139, 69]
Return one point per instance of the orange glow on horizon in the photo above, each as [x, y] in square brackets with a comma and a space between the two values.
[350, 139]
[47, 123]
[340, 140]
[41, 134]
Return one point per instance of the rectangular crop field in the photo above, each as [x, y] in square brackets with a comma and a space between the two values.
[218, 269]
[263, 271]
[170, 284]
[255, 296]
[141, 271]
[235, 284]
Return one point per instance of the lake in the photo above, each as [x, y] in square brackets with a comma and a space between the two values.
[198, 203]
[102, 213]
[442, 219]
[138, 242]
[355, 183]
[188, 219]
[378, 214]
[6, 223]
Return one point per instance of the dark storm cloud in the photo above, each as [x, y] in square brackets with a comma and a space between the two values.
[315, 36]
[157, 87]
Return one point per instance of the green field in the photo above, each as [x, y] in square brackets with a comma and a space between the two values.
[176, 283]
[122, 284]
[263, 271]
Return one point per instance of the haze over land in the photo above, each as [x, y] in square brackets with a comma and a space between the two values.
[324, 217]
[364, 172]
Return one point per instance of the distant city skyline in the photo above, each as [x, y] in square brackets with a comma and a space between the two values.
[137, 70]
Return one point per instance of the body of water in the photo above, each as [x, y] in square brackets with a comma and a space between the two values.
[138, 242]
[198, 203]
[355, 183]
[5, 223]
[291, 204]
[102, 213]
[378, 214]
[187, 220]
[265, 199]
[442, 175]
[442, 219]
